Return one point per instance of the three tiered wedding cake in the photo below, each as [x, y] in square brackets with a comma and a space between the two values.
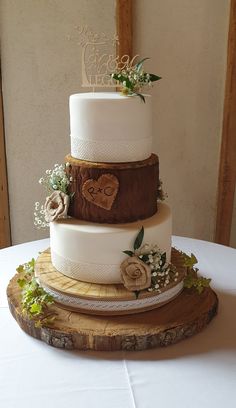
[114, 189]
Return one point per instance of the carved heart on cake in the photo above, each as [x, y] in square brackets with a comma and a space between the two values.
[101, 192]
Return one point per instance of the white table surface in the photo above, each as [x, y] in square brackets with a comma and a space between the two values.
[198, 372]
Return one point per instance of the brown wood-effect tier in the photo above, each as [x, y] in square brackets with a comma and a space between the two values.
[135, 187]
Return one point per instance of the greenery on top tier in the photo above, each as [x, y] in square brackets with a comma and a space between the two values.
[133, 79]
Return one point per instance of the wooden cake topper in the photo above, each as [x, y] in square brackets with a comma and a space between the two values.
[101, 192]
[99, 57]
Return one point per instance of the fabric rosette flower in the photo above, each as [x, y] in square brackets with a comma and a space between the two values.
[135, 274]
[56, 206]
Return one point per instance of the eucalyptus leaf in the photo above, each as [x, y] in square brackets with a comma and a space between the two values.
[130, 253]
[140, 96]
[139, 239]
[154, 77]
[139, 64]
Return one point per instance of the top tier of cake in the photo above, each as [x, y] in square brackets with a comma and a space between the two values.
[109, 127]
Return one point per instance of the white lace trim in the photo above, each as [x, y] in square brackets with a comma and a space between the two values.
[115, 306]
[110, 151]
[86, 272]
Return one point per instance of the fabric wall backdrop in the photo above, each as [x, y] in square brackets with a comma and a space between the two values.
[188, 45]
[41, 68]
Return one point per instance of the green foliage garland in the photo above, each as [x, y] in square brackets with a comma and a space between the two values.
[34, 299]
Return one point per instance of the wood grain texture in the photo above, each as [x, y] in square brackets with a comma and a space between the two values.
[137, 182]
[124, 27]
[185, 316]
[49, 277]
[227, 170]
[5, 235]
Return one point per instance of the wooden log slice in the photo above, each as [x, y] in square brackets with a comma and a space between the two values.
[185, 316]
[110, 299]
[113, 192]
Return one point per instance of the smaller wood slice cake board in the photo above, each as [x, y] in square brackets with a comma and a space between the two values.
[182, 317]
[85, 297]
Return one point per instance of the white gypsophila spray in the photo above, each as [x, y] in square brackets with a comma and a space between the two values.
[53, 180]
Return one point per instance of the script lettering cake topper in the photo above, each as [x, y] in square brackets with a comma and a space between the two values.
[98, 59]
[101, 192]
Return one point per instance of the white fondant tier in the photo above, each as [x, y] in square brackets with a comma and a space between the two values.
[93, 252]
[109, 127]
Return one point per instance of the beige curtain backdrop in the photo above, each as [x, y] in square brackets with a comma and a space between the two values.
[41, 67]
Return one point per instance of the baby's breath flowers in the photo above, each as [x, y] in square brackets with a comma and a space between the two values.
[39, 216]
[133, 78]
[55, 180]
[161, 195]
[162, 272]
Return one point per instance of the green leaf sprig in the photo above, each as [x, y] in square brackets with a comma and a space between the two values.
[134, 78]
[34, 299]
[192, 280]
[196, 282]
[137, 243]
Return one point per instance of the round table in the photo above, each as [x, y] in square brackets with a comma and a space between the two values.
[197, 372]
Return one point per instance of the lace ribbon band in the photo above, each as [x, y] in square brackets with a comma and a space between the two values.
[105, 151]
[115, 306]
[88, 272]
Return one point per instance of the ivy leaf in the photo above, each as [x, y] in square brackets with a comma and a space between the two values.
[21, 282]
[20, 268]
[36, 308]
[130, 253]
[154, 77]
[189, 261]
[194, 260]
[198, 283]
[139, 239]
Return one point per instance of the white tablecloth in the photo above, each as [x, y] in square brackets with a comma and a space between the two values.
[199, 372]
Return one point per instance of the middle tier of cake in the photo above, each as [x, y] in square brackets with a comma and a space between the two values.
[94, 252]
[113, 192]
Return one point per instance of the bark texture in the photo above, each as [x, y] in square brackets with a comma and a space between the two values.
[185, 316]
[134, 197]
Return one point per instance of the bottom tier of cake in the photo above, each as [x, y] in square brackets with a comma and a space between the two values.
[94, 252]
[100, 299]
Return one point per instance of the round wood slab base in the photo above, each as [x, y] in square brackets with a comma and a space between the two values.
[183, 317]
